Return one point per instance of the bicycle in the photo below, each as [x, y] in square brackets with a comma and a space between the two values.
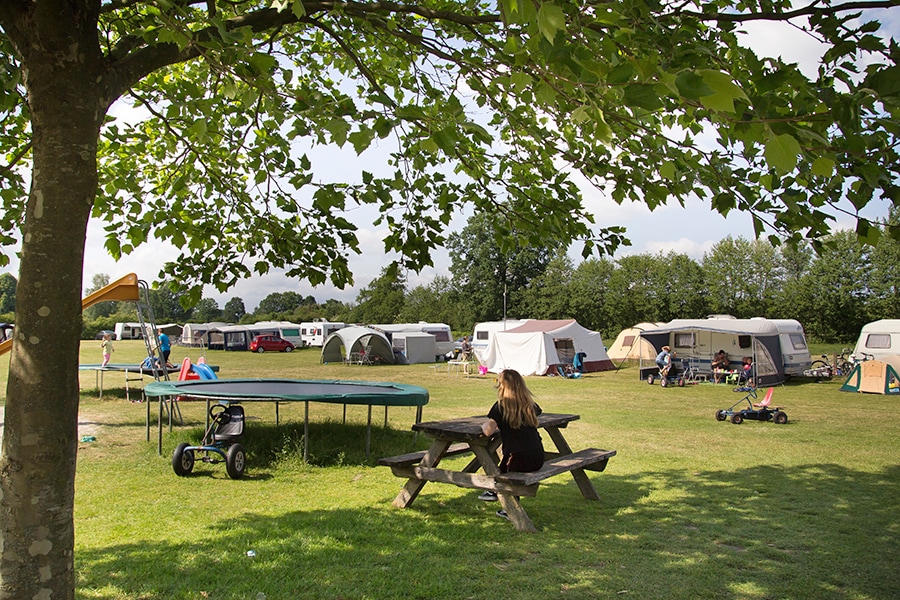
[841, 365]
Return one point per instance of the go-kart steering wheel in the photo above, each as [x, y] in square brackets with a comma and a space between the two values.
[222, 415]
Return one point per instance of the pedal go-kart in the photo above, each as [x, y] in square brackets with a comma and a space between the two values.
[761, 411]
[219, 443]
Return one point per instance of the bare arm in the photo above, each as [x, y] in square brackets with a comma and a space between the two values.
[489, 427]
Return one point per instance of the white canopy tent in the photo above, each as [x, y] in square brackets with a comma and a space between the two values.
[341, 345]
[536, 347]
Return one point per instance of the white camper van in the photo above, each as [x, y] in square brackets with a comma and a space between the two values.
[314, 333]
[481, 338]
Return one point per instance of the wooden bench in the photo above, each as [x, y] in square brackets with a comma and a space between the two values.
[414, 458]
[592, 459]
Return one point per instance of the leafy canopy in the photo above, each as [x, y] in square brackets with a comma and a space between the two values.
[500, 107]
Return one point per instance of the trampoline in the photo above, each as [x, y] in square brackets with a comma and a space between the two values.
[367, 393]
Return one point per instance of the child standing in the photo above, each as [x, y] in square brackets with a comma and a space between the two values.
[514, 415]
[106, 346]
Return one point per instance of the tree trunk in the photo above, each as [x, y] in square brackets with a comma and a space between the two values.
[40, 441]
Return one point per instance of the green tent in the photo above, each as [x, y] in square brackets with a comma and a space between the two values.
[875, 376]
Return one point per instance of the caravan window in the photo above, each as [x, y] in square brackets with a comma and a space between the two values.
[290, 332]
[684, 340]
[745, 341]
[440, 335]
[481, 335]
[798, 341]
[881, 341]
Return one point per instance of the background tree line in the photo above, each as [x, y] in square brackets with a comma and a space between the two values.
[833, 293]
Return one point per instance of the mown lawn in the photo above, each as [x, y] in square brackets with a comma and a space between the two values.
[690, 507]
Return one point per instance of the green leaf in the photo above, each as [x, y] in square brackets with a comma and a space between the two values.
[691, 85]
[299, 9]
[642, 96]
[823, 167]
[551, 20]
[725, 91]
[782, 152]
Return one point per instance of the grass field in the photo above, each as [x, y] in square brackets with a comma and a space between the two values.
[690, 507]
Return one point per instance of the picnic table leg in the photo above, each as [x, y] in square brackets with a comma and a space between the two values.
[509, 502]
[413, 485]
[492, 449]
[584, 483]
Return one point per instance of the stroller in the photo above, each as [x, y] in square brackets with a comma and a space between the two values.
[219, 443]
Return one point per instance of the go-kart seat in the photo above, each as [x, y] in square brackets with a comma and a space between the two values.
[765, 401]
[229, 424]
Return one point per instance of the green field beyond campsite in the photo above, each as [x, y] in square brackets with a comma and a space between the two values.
[690, 507]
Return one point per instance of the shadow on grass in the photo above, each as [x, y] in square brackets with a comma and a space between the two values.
[331, 443]
[758, 531]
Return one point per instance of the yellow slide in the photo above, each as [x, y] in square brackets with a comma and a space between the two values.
[124, 289]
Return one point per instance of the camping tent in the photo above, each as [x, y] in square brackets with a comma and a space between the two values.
[536, 347]
[697, 340]
[340, 345]
[630, 344]
[878, 339]
[875, 376]
[415, 346]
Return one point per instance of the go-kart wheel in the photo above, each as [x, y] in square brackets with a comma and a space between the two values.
[183, 460]
[737, 418]
[780, 417]
[664, 382]
[720, 415]
[235, 461]
[650, 379]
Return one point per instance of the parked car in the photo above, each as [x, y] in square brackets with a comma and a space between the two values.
[270, 343]
[109, 332]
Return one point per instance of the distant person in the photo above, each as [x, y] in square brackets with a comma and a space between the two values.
[165, 348]
[664, 359]
[514, 415]
[465, 349]
[106, 347]
[747, 369]
[719, 365]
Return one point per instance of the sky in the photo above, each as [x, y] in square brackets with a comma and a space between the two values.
[692, 230]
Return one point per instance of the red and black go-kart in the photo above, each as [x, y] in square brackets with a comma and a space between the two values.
[760, 411]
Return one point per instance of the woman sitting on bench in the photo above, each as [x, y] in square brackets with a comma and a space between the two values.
[514, 415]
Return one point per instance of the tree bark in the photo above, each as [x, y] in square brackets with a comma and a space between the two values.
[37, 467]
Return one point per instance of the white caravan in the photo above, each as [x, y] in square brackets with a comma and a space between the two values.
[316, 332]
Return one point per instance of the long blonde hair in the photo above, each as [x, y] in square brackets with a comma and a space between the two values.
[516, 400]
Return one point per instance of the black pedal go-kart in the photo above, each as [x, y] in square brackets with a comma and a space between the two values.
[219, 443]
[759, 411]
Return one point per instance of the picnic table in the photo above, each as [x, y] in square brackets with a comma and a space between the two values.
[463, 436]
